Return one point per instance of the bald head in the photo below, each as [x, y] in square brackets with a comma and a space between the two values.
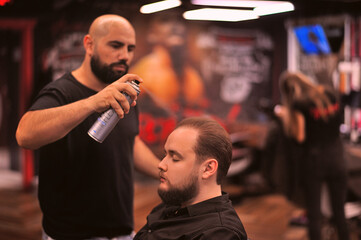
[102, 25]
[109, 50]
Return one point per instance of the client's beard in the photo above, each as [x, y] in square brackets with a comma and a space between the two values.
[178, 196]
[104, 72]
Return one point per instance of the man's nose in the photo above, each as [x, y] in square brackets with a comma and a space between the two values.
[123, 54]
[162, 165]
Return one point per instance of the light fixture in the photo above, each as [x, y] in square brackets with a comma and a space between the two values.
[234, 3]
[218, 14]
[274, 8]
[159, 6]
[261, 8]
[258, 7]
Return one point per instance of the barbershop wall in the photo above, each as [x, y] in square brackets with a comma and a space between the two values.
[189, 68]
[192, 69]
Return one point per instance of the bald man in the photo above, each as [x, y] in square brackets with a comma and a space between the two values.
[86, 187]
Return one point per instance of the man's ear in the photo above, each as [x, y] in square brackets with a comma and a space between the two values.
[209, 168]
[88, 43]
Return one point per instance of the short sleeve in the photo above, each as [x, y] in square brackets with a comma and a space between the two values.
[48, 98]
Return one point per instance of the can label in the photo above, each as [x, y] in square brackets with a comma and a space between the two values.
[107, 121]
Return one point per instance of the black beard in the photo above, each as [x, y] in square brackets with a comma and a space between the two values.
[178, 196]
[104, 72]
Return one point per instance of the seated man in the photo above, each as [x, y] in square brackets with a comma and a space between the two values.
[197, 157]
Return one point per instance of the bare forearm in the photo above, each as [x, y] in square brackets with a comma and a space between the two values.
[38, 128]
[41, 127]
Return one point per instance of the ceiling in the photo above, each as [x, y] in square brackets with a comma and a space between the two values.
[320, 7]
[38, 8]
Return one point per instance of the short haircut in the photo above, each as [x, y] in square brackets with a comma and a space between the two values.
[213, 142]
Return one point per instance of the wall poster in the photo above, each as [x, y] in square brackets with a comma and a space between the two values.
[188, 70]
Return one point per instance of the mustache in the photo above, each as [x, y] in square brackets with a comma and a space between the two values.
[121, 62]
[161, 174]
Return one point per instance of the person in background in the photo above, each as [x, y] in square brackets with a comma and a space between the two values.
[311, 115]
[86, 187]
[197, 157]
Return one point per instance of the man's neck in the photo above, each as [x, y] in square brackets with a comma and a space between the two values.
[205, 193]
[86, 77]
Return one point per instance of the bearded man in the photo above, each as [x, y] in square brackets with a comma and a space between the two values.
[86, 187]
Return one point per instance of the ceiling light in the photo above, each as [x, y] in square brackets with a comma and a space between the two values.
[217, 14]
[274, 8]
[159, 6]
[236, 3]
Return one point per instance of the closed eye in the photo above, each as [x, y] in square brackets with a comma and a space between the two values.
[116, 45]
[174, 155]
[131, 48]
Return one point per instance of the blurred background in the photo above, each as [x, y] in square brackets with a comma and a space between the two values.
[225, 69]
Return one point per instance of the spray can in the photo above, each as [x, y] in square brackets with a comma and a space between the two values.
[107, 121]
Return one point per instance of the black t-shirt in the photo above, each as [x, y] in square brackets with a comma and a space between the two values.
[213, 219]
[320, 132]
[85, 187]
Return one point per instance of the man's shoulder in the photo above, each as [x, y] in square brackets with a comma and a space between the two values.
[220, 220]
[63, 90]
[65, 79]
[230, 223]
[62, 82]
[225, 233]
[68, 85]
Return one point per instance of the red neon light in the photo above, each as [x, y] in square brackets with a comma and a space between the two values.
[3, 2]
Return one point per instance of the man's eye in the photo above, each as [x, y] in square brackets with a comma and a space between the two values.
[175, 160]
[115, 46]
